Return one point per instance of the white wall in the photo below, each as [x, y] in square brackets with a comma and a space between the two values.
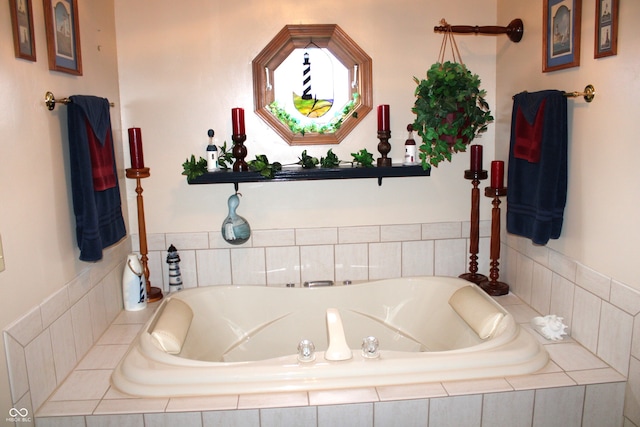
[601, 225]
[36, 217]
[183, 69]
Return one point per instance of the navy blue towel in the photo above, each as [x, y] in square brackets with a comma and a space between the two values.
[537, 174]
[96, 205]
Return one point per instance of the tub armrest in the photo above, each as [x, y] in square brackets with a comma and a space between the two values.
[480, 314]
[172, 326]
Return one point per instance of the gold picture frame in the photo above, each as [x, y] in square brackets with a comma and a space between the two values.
[63, 36]
[561, 34]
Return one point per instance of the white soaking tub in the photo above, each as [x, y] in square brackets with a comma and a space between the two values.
[244, 339]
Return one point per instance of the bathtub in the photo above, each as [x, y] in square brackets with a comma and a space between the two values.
[244, 339]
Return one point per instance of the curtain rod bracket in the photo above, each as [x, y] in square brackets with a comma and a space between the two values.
[514, 30]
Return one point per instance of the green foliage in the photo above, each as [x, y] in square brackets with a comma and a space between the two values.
[225, 158]
[363, 158]
[450, 111]
[330, 127]
[331, 161]
[193, 169]
[307, 162]
[261, 165]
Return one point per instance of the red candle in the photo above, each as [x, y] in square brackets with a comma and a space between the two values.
[497, 174]
[383, 117]
[135, 148]
[237, 119]
[476, 158]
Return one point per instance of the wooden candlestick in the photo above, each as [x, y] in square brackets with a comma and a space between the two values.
[153, 294]
[474, 235]
[384, 147]
[239, 152]
[492, 286]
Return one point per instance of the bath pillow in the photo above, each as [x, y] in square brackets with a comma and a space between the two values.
[481, 315]
[172, 326]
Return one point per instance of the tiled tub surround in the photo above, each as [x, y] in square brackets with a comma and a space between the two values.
[273, 257]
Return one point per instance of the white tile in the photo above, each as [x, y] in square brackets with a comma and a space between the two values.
[352, 262]
[133, 420]
[83, 385]
[270, 238]
[596, 376]
[27, 327]
[521, 313]
[593, 282]
[450, 257]
[411, 391]
[82, 330]
[61, 421]
[67, 408]
[417, 258]
[79, 287]
[526, 382]
[635, 339]
[316, 236]
[272, 400]
[127, 406]
[186, 419]
[279, 417]
[524, 278]
[356, 415]
[490, 385]
[103, 356]
[363, 234]
[338, 397]
[216, 241]
[561, 407]
[40, 368]
[155, 242]
[62, 342]
[244, 418]
[54, 306]
[17, 367]
[562, 291]
[573, 357]
[98, 313]
[184, 241]
[586, 318]
[120, 334]
[614, 339]
[632, 395]
[283, 265]
[405, 413]
[214, 267]
[205, 403]
[317, 263]
[562, 265]
[624, 297]
[513, 409]
[541, 289]
[400, 233]
[455, 411]
[113, 293]
[442, 230]
[248, 266]
[603, 404]
[385, 260]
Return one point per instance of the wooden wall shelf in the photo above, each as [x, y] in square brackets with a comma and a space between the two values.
[299, 174]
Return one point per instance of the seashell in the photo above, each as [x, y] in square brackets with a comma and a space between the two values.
[550, 326]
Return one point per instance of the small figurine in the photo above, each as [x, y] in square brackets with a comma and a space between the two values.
[175, 277]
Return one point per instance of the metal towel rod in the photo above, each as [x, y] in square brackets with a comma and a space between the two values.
[588, 94]
[50, 101]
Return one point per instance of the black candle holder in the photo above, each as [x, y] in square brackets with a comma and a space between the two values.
[474, 235]
[239, 152]
[384, 147]
[492, 286]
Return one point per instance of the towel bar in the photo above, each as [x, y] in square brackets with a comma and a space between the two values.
[588, 94]
[50, 101]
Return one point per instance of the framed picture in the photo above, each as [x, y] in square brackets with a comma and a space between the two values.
[63, 36]
[606, 43]
[22, 22]
[561, 34]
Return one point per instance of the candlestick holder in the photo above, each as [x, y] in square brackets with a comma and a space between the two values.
[492, 286]
[153, 294]
[239, 152]
[384, 147]
[474, 235]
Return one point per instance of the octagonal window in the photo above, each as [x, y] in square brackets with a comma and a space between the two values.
[312, 84]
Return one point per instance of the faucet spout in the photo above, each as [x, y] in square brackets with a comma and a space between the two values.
[338, 348]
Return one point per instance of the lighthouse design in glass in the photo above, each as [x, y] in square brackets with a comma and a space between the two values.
[315, 98]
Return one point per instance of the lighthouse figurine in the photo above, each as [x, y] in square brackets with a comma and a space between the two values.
[175, 277]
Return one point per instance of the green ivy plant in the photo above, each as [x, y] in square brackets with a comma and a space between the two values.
[363, 158]
[263, 167]
[193, 168]
[225, 157]
[331, 161]
[450, 111]
[306, 161]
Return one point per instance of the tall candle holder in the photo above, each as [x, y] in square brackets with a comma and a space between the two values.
[474, 235]
[492, 286]
[239, 152]
[153, 294]
[384, 147]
